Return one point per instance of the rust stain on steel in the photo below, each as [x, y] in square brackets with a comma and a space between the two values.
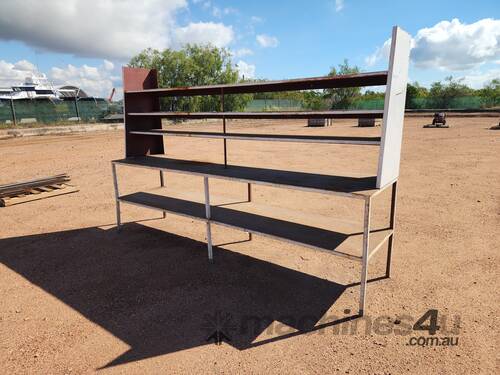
[137, 145]
[139, 79]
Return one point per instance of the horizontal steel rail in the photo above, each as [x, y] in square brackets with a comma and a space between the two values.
[314, 83]
[374, 141]
[355, 114]
[378, 247]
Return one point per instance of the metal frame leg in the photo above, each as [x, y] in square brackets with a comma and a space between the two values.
[209, 242]
[207, 214]
[366, 245]
[117, 195]
[162, 184]
[390, 244]
[249, 196]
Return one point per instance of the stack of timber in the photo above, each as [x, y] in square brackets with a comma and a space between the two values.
[41, 188]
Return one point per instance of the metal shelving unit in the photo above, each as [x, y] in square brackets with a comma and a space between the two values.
[144, 142]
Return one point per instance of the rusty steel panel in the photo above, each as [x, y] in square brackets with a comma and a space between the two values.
[135, 144]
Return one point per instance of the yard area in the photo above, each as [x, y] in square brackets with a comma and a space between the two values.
[77, 296]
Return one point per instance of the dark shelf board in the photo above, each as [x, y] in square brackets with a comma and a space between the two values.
[314, 83]
[355, 114]
[317, 238]
[357, 187]
[263, 137]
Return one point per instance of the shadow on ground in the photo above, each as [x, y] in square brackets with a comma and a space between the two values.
[157, 292]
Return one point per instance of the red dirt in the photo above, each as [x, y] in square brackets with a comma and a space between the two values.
[78, 297]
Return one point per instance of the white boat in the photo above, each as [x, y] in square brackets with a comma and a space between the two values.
[35, 87]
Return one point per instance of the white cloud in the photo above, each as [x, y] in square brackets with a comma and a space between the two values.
[246, 70]
[13, 74]
[216, 11]
[477, 79]
[108, 65]
[450, 45]
[267, 40]
[104, 28]
[111, 29]
[24, 65]
[457, 46]
[205, 32]
[339, 5]
[241, 52]
[96, 81]
[381, 53]
[256, 19]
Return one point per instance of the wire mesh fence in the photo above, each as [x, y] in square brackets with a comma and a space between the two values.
[430, 103]
[22, 111]
[257, 105]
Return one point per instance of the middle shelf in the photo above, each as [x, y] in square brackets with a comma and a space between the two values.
[360, 187]
[374, 141]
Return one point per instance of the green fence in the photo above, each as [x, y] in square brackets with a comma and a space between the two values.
[368, 104]
[47, 111]
[466, 102]
[257, 105]
[94, 110]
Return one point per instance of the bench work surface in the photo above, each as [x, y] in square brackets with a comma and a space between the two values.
[355, 186]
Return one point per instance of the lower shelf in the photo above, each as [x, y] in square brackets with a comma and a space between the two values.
[309, 236]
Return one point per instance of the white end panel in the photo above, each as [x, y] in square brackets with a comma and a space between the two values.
[394, 108]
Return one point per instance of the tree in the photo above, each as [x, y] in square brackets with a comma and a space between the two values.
[443, 95]
[490, 93]
[342, 98]
[313, 100]
[193, 65]
[414, 91]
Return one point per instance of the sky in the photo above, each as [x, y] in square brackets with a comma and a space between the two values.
[86, 42]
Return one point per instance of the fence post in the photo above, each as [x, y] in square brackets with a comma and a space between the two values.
[76, 109]
[13, 110]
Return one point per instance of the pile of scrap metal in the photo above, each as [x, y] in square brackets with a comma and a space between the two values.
[439, 121]
[27, 191]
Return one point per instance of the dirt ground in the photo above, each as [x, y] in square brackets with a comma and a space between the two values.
[79, 297]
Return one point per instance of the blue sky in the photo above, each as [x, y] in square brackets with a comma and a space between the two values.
[84, 42]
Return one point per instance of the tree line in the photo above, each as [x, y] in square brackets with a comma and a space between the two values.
[196, 65]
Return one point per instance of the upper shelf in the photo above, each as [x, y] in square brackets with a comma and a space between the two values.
[264, 137]
[348, 80]
[265, 115]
